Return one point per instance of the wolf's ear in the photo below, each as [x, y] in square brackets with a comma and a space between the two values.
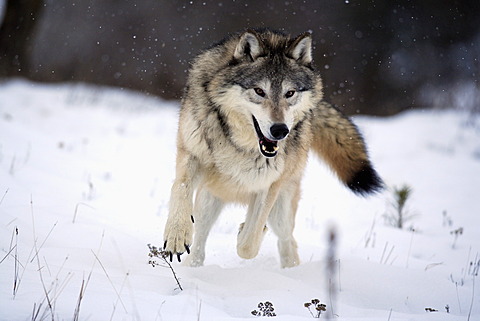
[248, 46]
[301, 49]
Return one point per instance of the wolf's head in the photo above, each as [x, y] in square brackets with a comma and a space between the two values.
[271, 81]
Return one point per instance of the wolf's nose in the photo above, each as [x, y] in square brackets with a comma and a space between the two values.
[279, 131]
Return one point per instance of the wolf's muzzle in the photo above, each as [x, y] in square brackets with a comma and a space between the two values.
[269, 147]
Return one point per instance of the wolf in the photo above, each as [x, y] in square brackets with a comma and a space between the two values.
[252, 110]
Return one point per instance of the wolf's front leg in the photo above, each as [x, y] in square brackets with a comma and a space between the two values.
[252, 231]
[282, 222]
[179, 228]
[206, 211]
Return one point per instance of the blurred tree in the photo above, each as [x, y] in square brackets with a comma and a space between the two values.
[375, 56]
[16, 38]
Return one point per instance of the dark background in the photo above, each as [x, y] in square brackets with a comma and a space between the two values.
[376, 57]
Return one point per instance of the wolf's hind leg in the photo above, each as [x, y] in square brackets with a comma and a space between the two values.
[252, 231]
[206, 210]
[282, 222]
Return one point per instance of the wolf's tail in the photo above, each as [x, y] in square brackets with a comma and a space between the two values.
[339, 143]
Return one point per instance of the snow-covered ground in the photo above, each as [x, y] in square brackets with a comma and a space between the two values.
[85, 174]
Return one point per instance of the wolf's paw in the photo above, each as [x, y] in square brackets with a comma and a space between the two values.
[247, 251]
[288, 253]
[178, 238]
[194, 260]
[248, 247]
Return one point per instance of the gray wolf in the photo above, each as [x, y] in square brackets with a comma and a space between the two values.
[252, 110]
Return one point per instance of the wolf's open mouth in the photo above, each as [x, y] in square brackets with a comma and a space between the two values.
[268, 147]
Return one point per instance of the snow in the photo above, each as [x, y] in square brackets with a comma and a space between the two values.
[85, 174]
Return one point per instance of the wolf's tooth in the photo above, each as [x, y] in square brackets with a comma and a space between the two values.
[275, 148]
[264, 148]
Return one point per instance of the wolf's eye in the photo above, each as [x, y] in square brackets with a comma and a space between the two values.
[259, 91]
[289, 93]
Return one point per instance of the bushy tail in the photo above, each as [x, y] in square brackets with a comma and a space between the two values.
[339, 143]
